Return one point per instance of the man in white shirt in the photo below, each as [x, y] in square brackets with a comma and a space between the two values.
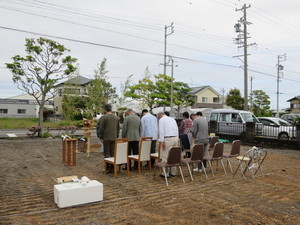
[168, 136]
[149, 128]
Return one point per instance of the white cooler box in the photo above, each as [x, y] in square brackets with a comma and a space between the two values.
[70, 194]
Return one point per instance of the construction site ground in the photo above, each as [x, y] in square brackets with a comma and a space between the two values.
[28, 166]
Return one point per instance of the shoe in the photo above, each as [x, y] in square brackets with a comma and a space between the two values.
[198, 170]
[163, 176]
[172, 175]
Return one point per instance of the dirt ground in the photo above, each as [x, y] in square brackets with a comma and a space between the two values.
[26, 191]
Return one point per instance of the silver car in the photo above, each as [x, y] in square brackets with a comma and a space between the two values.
[233, 122]
[277, 128]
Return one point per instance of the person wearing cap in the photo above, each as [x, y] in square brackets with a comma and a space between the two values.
[168, 136]
[131, 130]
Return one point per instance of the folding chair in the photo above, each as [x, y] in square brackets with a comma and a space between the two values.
[120, 156]
[144, 153]
[212, 143]
[156, 155]
[216, 156]
[235, 151]
[174, 160]
[253, 160]
[196, 157]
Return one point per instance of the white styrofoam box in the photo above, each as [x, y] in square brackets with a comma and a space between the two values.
[70, 194]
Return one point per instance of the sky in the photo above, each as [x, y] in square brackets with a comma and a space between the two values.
[130, 35]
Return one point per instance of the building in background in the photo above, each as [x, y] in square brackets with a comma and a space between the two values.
[21, 106]
[73, 86]
[206, 97]
[294, 104]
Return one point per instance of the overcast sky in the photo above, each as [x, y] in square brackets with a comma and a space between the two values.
[130, 34]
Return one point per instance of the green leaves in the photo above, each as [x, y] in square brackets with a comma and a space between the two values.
[261, 103]
[158, 92]
[33, 73]
[234, 99]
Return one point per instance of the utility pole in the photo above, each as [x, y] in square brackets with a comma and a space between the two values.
[172, 82]
[223, 95]
[165, 45]
[251, 93]
[241, 41]
[280, 58]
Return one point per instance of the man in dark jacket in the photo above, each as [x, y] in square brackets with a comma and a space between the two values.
[108, 131]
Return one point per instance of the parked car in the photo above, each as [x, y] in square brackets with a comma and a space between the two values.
[290, 117]
[233, 122]
[277, 128]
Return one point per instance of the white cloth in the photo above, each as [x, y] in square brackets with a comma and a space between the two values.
[167, 128]
[149, 126]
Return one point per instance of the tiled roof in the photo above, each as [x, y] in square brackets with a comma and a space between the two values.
[295, 98]
[78, 80]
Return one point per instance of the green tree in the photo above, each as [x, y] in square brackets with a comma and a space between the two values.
[143, 91]
[182, 96]
[261, 103]
[74, 107]
[234, 99]
[100, 90]
[162, 91]
[44, 65]
[123, 89]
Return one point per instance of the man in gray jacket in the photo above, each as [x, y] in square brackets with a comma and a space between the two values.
[200, 132]
[131, 130]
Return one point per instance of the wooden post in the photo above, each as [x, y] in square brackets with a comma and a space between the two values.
[64, 152]
[69, 152]
[87, 135]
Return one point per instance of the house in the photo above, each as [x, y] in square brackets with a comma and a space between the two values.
[74, 86]
[294, 104]
[21, 106]
[206, 97]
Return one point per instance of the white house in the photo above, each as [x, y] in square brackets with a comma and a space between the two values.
[21, 106]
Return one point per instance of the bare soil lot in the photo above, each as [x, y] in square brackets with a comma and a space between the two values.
[26, 191]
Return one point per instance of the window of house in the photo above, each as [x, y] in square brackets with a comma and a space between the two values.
[3, 111]
[21, 111]
[71, 91]
[296, 105]
[216, 100]
[204, 99]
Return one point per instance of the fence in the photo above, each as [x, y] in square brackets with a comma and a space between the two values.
[261, 135]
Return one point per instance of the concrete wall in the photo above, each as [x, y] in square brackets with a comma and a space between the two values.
[31, 111]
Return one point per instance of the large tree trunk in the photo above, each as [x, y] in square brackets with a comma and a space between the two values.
[41, 116]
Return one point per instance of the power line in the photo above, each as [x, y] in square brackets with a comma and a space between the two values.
[135, 50]
[109, 30]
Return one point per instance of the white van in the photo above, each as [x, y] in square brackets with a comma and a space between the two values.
[233, 122]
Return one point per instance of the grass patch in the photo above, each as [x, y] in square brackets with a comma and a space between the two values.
[24, 123]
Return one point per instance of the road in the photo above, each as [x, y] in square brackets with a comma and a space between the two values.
[5, 133]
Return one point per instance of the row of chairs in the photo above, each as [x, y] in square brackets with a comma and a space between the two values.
[197, 156]
[121, 156]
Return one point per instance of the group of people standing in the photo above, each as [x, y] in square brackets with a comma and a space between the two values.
[162, 128]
